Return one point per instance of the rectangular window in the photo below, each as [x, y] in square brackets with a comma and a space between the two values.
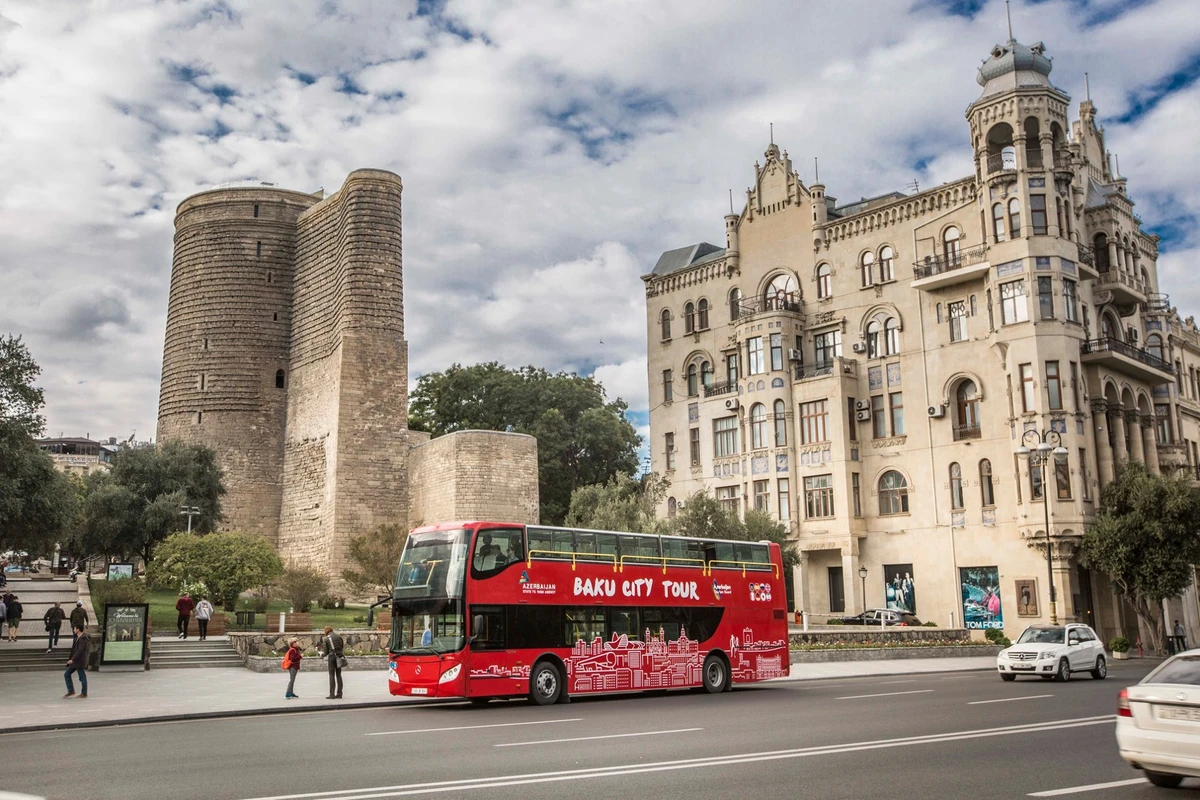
[1045, 288]
[1053, 386]
[725, 437]
[670, 445]
[1062, 479]
[1012, 303]
[727, 496]
[1162, 414]
[762, 497]
[1028, 399]
[896, 401]
[1075, 385]
[776, 351]
[827, 346]
[878, 418]
[754, 347]
[1070, 300]
[855, 494]
[814, 422]
[694, 446]
[1037, 214]
[731, 367]
[818, 496]
[258, 249]
[668, 389]
[785, 499]
[852, 418]
[1083, 474]
[1035, 483]
[958, 321]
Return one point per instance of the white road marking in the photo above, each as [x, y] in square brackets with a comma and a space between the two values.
[438, 787]
[590, 738]
[1009, 699]
[888, 683]
[1094, 787]
[477, 727]
[883, 694]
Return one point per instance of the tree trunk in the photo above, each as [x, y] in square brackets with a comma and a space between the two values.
[1149, 613]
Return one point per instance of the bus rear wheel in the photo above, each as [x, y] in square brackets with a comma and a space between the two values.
[716, 674]
[545, 684]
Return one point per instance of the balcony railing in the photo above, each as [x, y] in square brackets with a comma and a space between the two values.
[1033, 158]
[1062, 158]
[1157, 303]
[1087, 255]
[818, 370]
[1110, 345]
[717, 389]
[999, 162]
[756, 305]
[937, 265]
[967, 432]
[1126, 280]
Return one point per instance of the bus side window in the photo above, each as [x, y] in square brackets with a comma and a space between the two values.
[489, 636]
[665, 619]
[720, 551]
[630, 548]
[540, 542]
[562, 542]
[624, 622]
[585, 542]
[606, 543]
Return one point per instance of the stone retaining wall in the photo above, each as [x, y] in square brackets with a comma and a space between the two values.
[891, 653]
[253, 643]
[354, 663]
[896, 635]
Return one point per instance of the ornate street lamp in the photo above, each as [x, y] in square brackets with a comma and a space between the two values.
[862, 575]
[1047, 447]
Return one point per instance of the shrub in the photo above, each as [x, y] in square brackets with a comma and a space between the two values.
[834, 621]
[931, 624]
[302, 586]
[260, 598]
[228, 563]
[132, 590]
[332, 601]
[996, 636]
[1119, 644]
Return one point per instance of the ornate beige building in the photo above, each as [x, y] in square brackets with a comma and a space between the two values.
[869, 372]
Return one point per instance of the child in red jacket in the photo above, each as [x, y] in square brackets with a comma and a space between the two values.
[291, 662]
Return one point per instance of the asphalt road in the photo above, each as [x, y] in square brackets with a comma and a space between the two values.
[954, 735]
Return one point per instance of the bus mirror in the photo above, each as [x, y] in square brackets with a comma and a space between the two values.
[476, 626]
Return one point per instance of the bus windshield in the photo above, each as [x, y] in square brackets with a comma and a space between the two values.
[428, 615]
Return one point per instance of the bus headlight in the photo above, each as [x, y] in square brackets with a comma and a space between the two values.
[450, 674]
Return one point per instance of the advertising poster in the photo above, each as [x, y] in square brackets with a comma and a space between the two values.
[1027, 598]
[981, 597]
[119, 572]
[124, 633]
[898, 587]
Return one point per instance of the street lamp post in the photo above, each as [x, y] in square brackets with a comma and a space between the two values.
[862, 575]
[189, 512]
[1047, 446]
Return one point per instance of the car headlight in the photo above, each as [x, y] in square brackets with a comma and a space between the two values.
[1047, 654]
[450, 674]
[1003, 654]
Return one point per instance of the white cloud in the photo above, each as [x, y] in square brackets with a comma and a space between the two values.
[549, 152]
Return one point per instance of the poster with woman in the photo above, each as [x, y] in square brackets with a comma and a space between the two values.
[981, 597]
[898, 587]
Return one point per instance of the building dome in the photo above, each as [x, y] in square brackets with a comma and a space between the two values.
[1014, 65]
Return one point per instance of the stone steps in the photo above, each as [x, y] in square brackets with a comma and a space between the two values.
[191, 654]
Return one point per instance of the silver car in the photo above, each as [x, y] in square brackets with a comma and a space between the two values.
[1158, 721]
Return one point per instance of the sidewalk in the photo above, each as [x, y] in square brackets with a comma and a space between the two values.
[33, 700]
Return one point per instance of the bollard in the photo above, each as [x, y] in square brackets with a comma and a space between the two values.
[804, 614]
[282, 614]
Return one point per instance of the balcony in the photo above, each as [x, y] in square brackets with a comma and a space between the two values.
[825, 369]
[753, 306]
[1157, 303]
[964, 432]
[1172, 457]
[1002, 162]
[718, 389]
[1062, 162]
[1126, 288]
[936, 272]
[1033, 158]
[1127, 359]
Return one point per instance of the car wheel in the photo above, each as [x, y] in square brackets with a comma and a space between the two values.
[1163, 779]
[1101, 670]
[1064, 672]
[716, 674]
[1008, 677]
[545, 684]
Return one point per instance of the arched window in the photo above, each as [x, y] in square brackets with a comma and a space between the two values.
[956, 487]
[665, 321]
[893, 493]
[966, 407]
[1014, 217]
[952, 247]
[887, 264]
[865, 266]
[985, 483]
[702, 315]
[1100, 245]
[873, 340]
[1107, 329]
[892, 336]
[824, 281]
[781, 293]
[689, 318]
[671, 508]
[706, 374]
[1154, 345]
[278, 379]
[998, 222]
[735, 301]
[758, 426]
[780, 424]
[693, 381]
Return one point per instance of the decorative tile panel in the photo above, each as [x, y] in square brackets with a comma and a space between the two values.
[1058, 425]
[777, 383]
[781, 462]
[693, 412]
[875, 378]
[1037, 183]
[759, 465]
[1010, 268]
[958, 519]
[893, 374]
[1067, 266]
[1154, 325]
[989, 516]
[1043, 262]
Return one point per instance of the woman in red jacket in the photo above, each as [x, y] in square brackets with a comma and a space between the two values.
[291, 662]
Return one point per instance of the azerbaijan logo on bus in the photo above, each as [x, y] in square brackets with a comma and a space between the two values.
[524, 576]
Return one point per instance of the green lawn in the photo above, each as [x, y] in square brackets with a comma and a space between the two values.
[163, 614]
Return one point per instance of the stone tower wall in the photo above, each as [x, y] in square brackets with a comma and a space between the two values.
[227, 334]
[488, 475]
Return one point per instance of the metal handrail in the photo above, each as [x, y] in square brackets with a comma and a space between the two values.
[820, 369]
[1087, 255]
[936, 265]
[1116, 276]
[1111, 345]
[754, 305]
[1033, 157]
[755, 566]
[962, 432]
[717, 389]
[999, 162]
[562, 554]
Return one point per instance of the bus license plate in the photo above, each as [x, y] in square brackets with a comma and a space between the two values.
[1179, 714]
[420, 690]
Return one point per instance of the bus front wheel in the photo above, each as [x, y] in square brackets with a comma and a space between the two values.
[716, 674]
[545, 684]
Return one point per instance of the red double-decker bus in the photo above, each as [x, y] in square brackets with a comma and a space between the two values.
[492, 609]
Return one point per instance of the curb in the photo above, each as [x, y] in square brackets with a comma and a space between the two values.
[790, 679]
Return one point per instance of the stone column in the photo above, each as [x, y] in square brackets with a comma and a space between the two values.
[800, 582]
[1116, 418]
[855, 604]
[1134, 420]
[1112, 255]
[1150, 443]
[1104, 452]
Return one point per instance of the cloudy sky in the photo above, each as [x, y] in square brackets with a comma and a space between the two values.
[550, 150]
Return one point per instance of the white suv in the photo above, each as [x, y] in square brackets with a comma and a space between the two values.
[1053, 651]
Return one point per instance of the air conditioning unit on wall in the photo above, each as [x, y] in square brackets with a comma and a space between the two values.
[795, 355]
[731, 404]
[863, 416]
[862, 405]
[936, 412]
[859, 347]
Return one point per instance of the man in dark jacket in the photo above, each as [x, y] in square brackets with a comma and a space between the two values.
[54, 620]
[184, 606]
[14, 617]
[79, 619]
[78, 663]
[334, 650]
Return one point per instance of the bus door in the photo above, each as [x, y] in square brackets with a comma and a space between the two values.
[492, 667]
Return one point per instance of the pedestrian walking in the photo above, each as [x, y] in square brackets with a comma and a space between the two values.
[184, 606]
[204, 612]
[14, 617]
[54, 619]
[79, 620]
[3, 616]
[333, 649]
[291, 663]
[1180, 637]
[78, 662]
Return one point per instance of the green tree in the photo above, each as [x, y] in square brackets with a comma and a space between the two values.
[582, 437]
[621, 504]
[760, 527]
[303, 586]
[20, 401]
[703, 517]
[1147, 540]
[227, 563]
[376, 559]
